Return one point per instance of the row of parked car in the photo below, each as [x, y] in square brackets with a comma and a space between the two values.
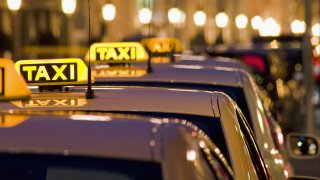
[134, 110]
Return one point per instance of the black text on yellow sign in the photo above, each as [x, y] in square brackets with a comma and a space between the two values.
[2, 81]
[162, 47]
[59, 72]
[116, 53]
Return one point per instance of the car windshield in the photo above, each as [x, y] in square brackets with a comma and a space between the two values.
[49, 167]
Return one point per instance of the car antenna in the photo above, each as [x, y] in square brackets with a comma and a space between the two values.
[90, 92]
[149, 69]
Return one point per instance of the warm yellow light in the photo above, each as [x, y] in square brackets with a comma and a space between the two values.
[176, 16]
[109, 12]
[316, 30]
[222, 20]
[270, 27]
[241, 21]
[315, 40]
[68, 6]
[47, 72]
[317, 50]
[191, 155]
[298, 27]
[117, 52]
[256, 22]
[163, 45]
[199, 18]
[14, 5]
[12, 85]
[145, 15]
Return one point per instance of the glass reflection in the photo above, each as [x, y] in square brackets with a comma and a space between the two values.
[301, 145]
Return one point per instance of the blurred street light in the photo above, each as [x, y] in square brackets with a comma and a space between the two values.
[199, 18]
[317, 50]
[176, 16]
[256, 22]
[222, 20]
[316, 30]
[109, 12]
[298, 27]
[241, 21]
[14, 5]
[68, 6]
[145, 15]
[270, 27]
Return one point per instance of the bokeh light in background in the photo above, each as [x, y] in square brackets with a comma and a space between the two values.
[270, 27]
[69, 6]
[222, 19]
[317, 50]
[14, 5]
[241, 21]
[109, 12]
[199, 18]
[298, 27]
[256, 22]
[176, 16]
[145, 15]
[316, 30]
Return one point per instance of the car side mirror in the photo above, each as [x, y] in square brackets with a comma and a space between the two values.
[302, 145]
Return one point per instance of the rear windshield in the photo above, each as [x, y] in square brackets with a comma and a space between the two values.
[52, 167]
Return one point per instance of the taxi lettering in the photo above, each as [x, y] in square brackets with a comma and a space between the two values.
[115, 53]
[52, 103]
[163, 47]
[1, 81]
[49, 72]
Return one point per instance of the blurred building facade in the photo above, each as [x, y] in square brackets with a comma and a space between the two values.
[40, 23]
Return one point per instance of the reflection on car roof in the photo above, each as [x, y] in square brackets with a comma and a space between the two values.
[89, 135]
[123, 98]
[187, 73]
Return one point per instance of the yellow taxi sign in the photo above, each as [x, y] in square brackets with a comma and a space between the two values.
[10, 120]
[117, 52]
[47, 72]
[162, 45]
[12, 86]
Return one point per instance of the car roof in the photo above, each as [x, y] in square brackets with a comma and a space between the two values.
[93, 135]
[180, 73]
[210, 61]
[118, 98]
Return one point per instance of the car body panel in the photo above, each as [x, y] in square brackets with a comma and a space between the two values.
[221, 76]
[110, 135]
[135, 99]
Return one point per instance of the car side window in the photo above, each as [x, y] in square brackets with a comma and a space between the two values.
[252, 146]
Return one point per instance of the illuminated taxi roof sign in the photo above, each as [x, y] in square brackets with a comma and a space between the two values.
[162, 45]
[119, 52]
[10, 120]
[12, 86]
[47, 72]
